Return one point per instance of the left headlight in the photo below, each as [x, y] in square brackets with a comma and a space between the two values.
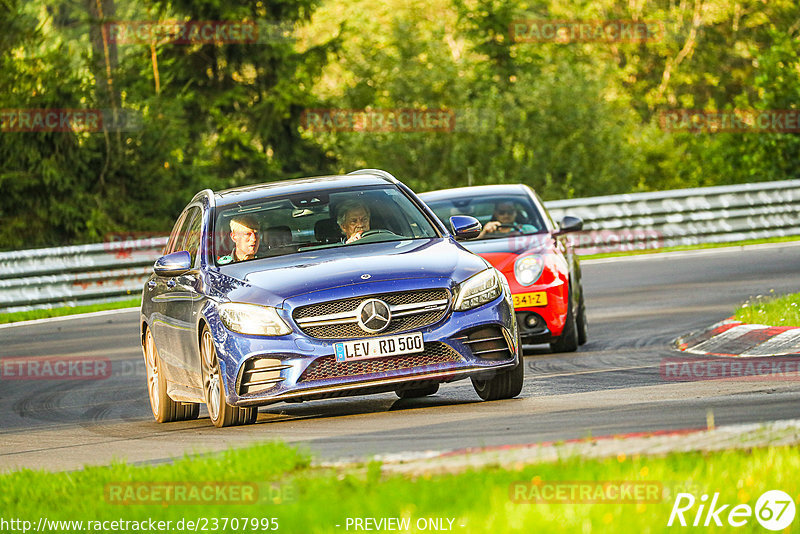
[528, 269]
[252, 319]
[479, 289]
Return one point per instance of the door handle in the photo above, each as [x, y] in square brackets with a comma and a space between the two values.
[170, 283]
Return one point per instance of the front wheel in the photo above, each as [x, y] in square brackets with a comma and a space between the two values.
[221, 413]
[568, 340]
[582, 323]
[165, 410]
[504, 385]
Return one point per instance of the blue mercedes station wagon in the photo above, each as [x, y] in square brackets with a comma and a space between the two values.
[317, 288]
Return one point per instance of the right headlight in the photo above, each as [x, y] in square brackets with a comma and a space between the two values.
[479, 289]
[528, 269]
[252, 319]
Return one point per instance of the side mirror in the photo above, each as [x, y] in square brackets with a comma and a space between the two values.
[174, 264]
[569, 224]
[465, 227]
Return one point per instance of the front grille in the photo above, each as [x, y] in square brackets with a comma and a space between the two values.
[337, 319]
[326, 367]
[487, 342]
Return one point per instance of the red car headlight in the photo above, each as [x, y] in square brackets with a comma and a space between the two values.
[528, 269]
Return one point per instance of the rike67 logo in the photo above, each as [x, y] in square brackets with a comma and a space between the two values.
[774, 510]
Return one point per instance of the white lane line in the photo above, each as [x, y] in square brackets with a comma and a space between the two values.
[68, 317]
[593, 371]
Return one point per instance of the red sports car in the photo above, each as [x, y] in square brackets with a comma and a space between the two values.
[521, 240]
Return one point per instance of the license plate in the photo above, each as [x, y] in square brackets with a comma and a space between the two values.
[524, 300]
[378, 347]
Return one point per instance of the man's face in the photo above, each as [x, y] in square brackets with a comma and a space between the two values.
[355, 221]
[247, 241]
[506, 213]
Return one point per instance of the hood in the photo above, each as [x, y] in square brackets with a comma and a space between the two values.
[273, 280]
[502, 252]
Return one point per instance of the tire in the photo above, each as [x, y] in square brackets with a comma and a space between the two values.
[221, 413]
[165, 410]
[581, 322]
[568, 340]
[504, 385]
[418, 392]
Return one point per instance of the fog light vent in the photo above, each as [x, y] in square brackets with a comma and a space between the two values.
[259, 374]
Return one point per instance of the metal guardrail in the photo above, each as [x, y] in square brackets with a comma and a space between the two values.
[116, 270]
[71, 276]
[720, 214]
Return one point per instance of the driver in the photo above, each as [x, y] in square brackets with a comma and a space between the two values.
[353, 219]
[245, 233]
[504, 221]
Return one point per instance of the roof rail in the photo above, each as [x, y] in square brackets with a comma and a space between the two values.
[375, 172]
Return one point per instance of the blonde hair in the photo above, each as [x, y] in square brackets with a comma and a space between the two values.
[242, 222]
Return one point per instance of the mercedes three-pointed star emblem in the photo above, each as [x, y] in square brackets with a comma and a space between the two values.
[374, 316]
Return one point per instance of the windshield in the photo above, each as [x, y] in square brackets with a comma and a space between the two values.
[516, 214]
[277, 226]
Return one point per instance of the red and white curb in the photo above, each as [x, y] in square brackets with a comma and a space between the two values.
[736, 339]
[621, 446]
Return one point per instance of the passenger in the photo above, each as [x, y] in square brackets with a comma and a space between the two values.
[245, 235]
[353, 219]
[504, 221]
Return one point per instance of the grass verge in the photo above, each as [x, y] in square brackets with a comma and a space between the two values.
[66, 310]
[303, 498]
[771, 310]
[700, 246]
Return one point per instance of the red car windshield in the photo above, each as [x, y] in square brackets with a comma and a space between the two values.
[516, 214]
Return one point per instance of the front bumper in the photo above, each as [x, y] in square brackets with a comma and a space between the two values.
[260, 370]
[542, 324]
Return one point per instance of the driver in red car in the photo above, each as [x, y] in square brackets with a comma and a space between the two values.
[504, 221]
[353, 219]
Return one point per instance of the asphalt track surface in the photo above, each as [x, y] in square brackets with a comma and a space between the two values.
[612, 385]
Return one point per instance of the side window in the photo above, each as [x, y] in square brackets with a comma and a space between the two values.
[192, 244]
[175, 235]
[184, 240]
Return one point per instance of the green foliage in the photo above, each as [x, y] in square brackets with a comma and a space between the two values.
[572, 119]
[771, 310]
[207, 115]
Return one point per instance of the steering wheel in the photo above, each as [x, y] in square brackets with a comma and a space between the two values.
[376, 231]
